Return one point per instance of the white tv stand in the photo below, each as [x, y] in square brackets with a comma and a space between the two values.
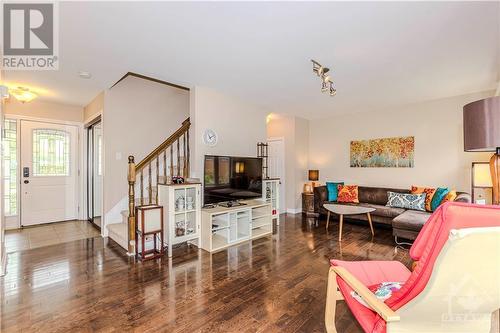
[222, 227]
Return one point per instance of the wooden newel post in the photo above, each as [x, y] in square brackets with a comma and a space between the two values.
[131, 205]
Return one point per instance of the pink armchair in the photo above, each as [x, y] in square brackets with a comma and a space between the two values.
[455, 286]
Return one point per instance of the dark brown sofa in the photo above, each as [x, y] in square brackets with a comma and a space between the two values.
[405, 223]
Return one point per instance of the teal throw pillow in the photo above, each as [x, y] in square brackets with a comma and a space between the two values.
[438, 197]
[333, 190]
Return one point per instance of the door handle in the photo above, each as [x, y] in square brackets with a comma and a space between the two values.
[26, 181]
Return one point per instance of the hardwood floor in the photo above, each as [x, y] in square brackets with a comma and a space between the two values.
[275, 284]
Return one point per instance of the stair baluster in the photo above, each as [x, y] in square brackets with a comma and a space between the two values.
[142, 187]
[157, 177]
[187, 155]
[171, 162]
[165, 166]
[178, 158]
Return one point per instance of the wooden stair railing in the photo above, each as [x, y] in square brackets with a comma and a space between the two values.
[161, 165]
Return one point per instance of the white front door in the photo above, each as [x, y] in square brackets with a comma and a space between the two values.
[48, 172]
[276, 169]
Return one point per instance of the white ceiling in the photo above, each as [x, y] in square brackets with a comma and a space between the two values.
[382, 54]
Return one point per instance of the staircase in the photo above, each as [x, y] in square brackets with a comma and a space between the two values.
[170, 159]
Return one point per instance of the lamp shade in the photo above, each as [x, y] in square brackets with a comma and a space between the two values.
[481, 176]
[314, 175]
[482, 125]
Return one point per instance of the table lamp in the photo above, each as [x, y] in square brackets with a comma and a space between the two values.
[313, 176]
[482, 133]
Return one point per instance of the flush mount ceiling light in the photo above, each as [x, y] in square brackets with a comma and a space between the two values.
[22, 94]
[322, 72]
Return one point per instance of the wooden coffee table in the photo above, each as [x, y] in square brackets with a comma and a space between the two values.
[342, 210]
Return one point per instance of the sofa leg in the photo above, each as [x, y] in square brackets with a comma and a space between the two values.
[332, 296]
[401, 243]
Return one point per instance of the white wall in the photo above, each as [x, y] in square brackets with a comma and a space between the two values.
[44, 109]
[295, 134]
[436, 126]
[139, 115]
[301, 159]
[239, 126]
[94, 108]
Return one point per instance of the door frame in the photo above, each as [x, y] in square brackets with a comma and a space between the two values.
[283, 178]
[87, 126]
[15, 220]
[93, 119]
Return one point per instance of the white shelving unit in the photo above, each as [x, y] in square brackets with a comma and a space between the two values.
[222, 227]
[182, 219]
[271, 194]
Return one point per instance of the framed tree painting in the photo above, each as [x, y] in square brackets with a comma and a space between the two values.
[383, 153]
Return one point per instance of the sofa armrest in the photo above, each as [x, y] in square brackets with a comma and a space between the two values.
[320, 197]
[463, 197]
[375, 304]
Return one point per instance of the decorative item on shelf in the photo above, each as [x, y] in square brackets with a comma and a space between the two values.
[313, 177]
[180, 229]
[268, 192]
[482, 133]
[178, 180]
[383, 153]
[189, 203]
[262, 152]
[481, 183]
[179, 203]
[322, 72]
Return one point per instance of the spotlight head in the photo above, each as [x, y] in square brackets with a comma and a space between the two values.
[324, 87]
[333, 91]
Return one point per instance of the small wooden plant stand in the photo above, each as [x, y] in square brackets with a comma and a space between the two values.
[149, 223]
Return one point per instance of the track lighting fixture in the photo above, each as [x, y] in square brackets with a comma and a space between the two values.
[327, 83]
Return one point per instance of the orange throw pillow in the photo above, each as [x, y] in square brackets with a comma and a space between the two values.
[348, 193]
[428, 197]
[451, 196]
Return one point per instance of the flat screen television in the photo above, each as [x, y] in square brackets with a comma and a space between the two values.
[229, 178]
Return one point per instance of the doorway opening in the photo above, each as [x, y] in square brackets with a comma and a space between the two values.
[94, 173]
[276, 166]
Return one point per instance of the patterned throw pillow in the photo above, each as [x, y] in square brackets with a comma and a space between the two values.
[451, 196]
[438, 197]
[333, 190]
[429, 191]
[348, 193]
[407, 201]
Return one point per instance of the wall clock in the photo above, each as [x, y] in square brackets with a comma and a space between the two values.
[210, 137]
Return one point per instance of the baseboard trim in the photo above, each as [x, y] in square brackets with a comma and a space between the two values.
[293, 210]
